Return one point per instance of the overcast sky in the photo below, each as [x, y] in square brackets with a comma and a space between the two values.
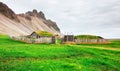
[98, 17]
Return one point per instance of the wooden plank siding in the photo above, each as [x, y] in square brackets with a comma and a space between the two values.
[42, 39]
[92, 41]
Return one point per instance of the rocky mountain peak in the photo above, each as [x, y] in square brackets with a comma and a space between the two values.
[36, 13]
[6, 11]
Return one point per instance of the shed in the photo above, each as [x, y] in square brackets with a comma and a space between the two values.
[68, 38]
[42, 37]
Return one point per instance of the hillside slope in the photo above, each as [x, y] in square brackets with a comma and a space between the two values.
[24, 24]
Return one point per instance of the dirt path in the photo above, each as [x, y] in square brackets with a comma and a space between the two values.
[102, 48]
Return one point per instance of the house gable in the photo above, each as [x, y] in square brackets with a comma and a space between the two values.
[34, 35]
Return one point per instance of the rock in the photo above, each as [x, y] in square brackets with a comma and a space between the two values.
[52, 24]
[6, 11]
[28, 17]
[41, 15]
[35, 11]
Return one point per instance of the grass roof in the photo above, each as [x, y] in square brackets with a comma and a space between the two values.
[44, 33]
[88, 37]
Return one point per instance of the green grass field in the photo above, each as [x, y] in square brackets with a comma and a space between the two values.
[18, 56]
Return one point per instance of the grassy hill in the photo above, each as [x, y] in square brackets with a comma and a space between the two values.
[18, 56]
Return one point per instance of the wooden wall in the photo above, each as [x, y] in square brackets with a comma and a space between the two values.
[42, 39]
[92, 41]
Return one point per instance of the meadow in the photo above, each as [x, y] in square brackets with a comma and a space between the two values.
[18, 56]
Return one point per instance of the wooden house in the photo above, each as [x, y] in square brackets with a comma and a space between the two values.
[38, 38]
[87, 40]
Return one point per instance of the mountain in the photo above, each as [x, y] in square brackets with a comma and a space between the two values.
[24, 24]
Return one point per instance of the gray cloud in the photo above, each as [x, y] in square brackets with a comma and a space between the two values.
[98, 17]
